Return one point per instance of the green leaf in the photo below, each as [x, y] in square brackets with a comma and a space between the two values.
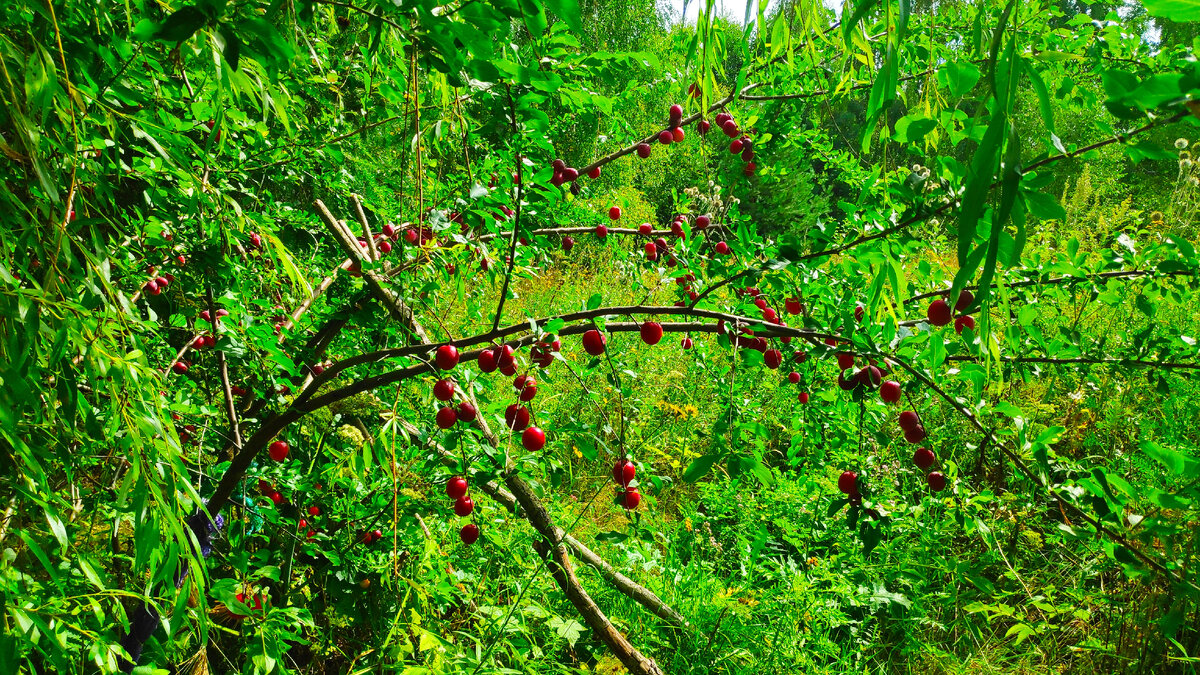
[1146, 150]
[982, 169]
[594, 301]
[959, 77]
[181, 25]
[1175, 10]
[699, 468]
[912, 128]
[1173, 460]
[1044, 206]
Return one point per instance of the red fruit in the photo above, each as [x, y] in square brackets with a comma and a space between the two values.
[845, 360]
[964, 321]
[467, 412]
[677, 134]
[730, 128]
[265, 487]
[276, 498]
[569, 175]
[533, 439]
[938, 313]
[558, 165]
[915, 435]
[651, 251]
[443, 390]
[909, 420]
[748, 170]
[735, 147]
[651, 332]
[469, 533]
[890, 391]
[686, 343]
[924, 458]
[594, 342]
[614, 213]
[152, 287]
[463, 506]
[410, 236]
[602, 230]
[794, 377]
[803, 397]
[523, 381]
[760, 303]
[643, 150]
[628, 472]
[509, 368]
[703, 127]
[677, 229]
[965, 298]
[676, 111]
[487, 360]
[722, 248]
[665, 137]
[446, 417]
[568, 242]
[516, 417]
[389, 230]
[594, 173]
[848, 482]
[859, 312]
[205, 315]
[702, 222]
[180, 367]
[314, 511]
[301, 524]
[645, 229]
[869, 377]
[937, 482]
[770, 315]
[376, 535]
[162, 282]
[456, 487]
[278, 450]
[632, 499]
[847, 383]
[773, 358]
[528, 392]
[447, 357]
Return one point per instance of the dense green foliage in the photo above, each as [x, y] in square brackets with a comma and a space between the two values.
[1039, 155]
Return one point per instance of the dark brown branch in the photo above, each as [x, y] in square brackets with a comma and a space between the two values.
[1101, 276]
[235, 432]
[1171, 365]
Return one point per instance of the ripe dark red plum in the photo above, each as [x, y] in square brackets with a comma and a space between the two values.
[924, 458]
[651, 251]
[890, 391]
[631, 499]
[803, 397]
[618, 470]
[847, 383]
[558, 165]
[773, 358]
[675, 112]
[601, 231]
[859, 312]
[643, 150]
[456, 487]
[594, 173]
[509, 368]
[651, 332]
[760, 303]
[528, 392]
[614, 213]
[665, 137]
[278, 450]
[443, 390]
[909, 420]
[677, 134]
[936, 481]
[702, 222]
[447, 357]
[915, 435]
[522, 381]
[735, 147]
[314, 511]
[516, 417]
[722, 248]
[965, 298]
[794, 377]
[467, 411]
[533, 439]
[446, 417]
[645, 229]
[703, 127]
[594, 342]
[747, 153]
[469, 533]
[963, 322]
[845, 360]
[568, 242]
[463, 506]
[869, 377]
[748, 170]
[487, 361]
[848, 482]
[731, 129]
[686, 343]
[180, 367]
[628, 472]
[770, 315]
[938, 313]
[569, 174]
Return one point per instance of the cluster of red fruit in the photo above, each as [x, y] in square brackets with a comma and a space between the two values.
[914, 432]
[623, 473]
[456, 489]
[566, 174]
[371, 536]
[157, 284]
[939, 313]
[516, 417]
[741, 145]
[254, 601]
[302, 524]
[185, 436]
